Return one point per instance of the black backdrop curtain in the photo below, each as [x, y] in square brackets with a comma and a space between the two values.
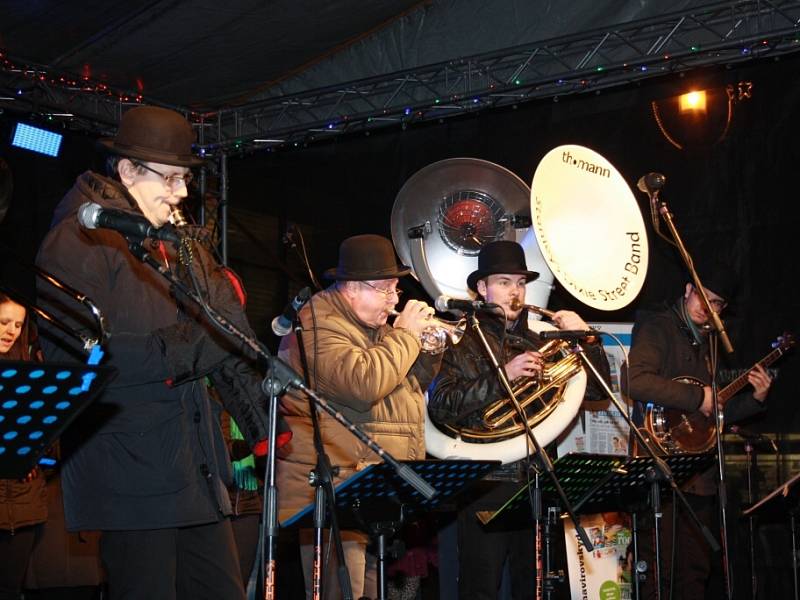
[732, 200]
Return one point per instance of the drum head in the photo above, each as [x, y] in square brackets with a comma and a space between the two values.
[589, 227]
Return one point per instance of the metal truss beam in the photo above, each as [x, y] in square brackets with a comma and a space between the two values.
[721, 33]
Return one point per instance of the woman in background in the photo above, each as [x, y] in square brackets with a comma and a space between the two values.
[23, 502]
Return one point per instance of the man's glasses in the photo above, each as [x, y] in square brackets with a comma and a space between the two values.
[717, 304]
[174, 181]
[387, 293]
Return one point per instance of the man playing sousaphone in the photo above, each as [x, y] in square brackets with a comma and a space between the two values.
[467, 383]
[369, 370]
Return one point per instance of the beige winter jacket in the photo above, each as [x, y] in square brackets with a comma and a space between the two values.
[375, 377]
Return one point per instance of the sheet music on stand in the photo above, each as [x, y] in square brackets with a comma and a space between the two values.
[38, 401]
[779, 503]
[376, 493]
[596, 483]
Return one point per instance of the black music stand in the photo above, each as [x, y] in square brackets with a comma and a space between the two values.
[377, 501]
[781, 503]
[597, 483]
[38, 401]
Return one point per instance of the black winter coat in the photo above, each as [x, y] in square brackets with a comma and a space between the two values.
[144, 455]
[663, 348]
[467, 381]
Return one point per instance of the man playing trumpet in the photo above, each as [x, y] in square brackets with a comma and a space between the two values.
[467, 383]
[372, 372]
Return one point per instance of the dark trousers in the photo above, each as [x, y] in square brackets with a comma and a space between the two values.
[246, 531]
[173, 564]
[15, 550]
[483, 552]
[693, 556]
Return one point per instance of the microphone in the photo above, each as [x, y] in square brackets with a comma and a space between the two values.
[651, 183]
[93, 216]
[282, 324]
[567, 334]
[753, 435]
[445, 303]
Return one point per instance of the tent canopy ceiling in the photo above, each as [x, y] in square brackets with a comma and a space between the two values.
[201, 53]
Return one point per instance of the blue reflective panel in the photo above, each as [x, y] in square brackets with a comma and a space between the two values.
[8, 373]
[9, 404]
[37, 404]
[36, 374]
[49, 420]
[24, 419]
[9, 435]
[75, 391]
[49, 389]
[2, 449]
[2, 418]
[63, 405]
[63, 375]
[35, 435]
[23, 389]
[23, 450]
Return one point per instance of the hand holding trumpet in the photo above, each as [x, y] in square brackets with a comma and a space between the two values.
[415, 317]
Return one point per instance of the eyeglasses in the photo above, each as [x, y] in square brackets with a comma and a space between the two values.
[387, 293]
[716, 303]
[173, 181]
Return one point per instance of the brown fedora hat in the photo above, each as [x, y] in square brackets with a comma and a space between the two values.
[154, 134]
[502, 256]
[366, 257]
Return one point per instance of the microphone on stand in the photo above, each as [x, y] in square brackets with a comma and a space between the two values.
[93, 216]
[446, 303]
[282, 324]
[755, 436]
[651, 184]
[567, 334]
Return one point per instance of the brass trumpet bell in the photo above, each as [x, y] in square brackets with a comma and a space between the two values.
[435, 336]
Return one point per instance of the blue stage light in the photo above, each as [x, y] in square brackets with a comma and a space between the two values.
[36, 139]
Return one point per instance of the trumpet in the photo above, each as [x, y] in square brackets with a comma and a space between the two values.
[435, 336]
[517, 305]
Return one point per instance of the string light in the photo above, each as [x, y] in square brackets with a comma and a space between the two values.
[84, 83]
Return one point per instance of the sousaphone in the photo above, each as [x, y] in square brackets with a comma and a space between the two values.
[447, 211]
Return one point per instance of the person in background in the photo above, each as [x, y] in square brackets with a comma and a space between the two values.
[23, 502]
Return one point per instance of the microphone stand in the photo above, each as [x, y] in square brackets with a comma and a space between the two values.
[547, 465]
[717, 333]
[663, 470]
[321, 477]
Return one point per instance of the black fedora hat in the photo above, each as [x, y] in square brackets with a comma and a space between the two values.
[500, 257]
[154, 134]
[366, 257]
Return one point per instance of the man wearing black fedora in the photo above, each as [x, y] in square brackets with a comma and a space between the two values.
[369, 370]
[467, 383]
[146, 463]
[673, 343]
